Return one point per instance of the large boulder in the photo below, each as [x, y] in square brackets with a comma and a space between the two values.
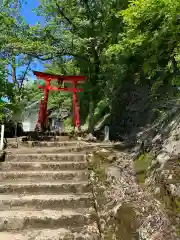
[163, 157]
[90, 138]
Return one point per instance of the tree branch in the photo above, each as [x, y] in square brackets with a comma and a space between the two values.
[42, 58]
[24, 75]
[89, 12]
[14, 78]
[61, 12]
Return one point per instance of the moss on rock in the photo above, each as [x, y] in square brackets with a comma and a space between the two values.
[141, 165]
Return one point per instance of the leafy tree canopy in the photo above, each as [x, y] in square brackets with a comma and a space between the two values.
[114, 43]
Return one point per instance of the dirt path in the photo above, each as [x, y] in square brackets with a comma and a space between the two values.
[126, 209]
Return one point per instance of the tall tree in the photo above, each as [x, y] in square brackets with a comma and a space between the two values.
[146, 56]
[12, 28]
[83, 30]
[150, 40]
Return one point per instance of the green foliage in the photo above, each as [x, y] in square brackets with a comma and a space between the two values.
[68, 125]
[141, 165]
[82, 30]
[2, 105]
[114, 44]
[151, 39]
[12, 29]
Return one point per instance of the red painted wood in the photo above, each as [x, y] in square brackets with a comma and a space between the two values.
[43, 114]
[76, 109]
[47, 77]
[62, 89]
[46, 96]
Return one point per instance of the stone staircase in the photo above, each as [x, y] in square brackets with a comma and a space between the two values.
[45, 194]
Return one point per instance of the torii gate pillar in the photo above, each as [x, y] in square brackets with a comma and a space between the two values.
[76, 108]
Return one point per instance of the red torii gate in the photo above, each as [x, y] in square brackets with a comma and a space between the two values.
[47, 78]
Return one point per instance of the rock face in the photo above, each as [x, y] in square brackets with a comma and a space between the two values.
[163, 157]
[90, 138]
[45, 194]
[164, 173]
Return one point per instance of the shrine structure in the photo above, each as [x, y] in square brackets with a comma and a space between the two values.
[46, 87]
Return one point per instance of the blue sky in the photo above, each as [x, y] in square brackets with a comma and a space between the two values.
[32, 19]
[29, 14]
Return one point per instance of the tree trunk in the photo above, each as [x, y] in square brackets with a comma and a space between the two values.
[91, 117]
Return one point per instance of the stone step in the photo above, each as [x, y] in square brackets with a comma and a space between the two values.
[20, 220]
[39, 202]
[45, 176]
[45, 193]
[50, 137]
[45, 150]
[49, 234]
[53, 143]
[42, 165]
[64, 157]
[45, 187]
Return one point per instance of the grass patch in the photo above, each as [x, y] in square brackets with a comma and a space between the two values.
[141, 166]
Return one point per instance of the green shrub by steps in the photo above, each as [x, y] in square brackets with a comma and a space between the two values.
[68, 126]
[141, 165]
